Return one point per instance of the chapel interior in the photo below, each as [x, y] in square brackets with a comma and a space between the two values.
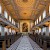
[24, 24]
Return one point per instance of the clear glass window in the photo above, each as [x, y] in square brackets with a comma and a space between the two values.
[0, 9]
[39, 18]
[49, 9]
[0, 29]
[5, 29]
[10, 30]
[10, 18]
[35, 22]
[44, 29]
[49, 28]
[39, 30]
[44, 14]
[12, 21]
[6, 14]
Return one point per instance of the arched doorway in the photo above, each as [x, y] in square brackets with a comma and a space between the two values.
[25, 27]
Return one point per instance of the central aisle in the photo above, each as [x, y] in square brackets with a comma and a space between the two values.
[24, 44]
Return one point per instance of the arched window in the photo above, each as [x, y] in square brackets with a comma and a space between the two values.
[10, 30]
[35, 22]
[44, 14]
[0, 9]
[49, 28]
[39, 18]
[6, 14]
[5, 29]
[49, 9]
[44, 29]
[39, 30]
[0, 29]
[10, 18]
[13, 31]
[12, 21]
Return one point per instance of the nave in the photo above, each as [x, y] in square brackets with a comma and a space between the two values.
[24, 43]
[25, 17]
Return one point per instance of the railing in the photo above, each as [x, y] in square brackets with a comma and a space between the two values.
[42, 22]
[6, 21]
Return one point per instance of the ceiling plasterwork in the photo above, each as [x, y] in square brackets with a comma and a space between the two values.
[25, 9]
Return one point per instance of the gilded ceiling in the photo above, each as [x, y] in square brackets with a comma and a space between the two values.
[24, 9]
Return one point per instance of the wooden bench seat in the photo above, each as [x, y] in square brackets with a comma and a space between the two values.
[8, 40]
[41, 40]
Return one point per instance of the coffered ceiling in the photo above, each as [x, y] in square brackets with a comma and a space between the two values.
[25, 9]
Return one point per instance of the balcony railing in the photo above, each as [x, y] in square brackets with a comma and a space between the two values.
[6, 21]
[42, 22]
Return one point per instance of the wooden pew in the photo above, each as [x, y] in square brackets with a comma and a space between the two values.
[45, 45]
[41, 40]
[6, 40]
[2, 44]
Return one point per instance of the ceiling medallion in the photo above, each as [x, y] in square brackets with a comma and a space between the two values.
[25, 0]
[25, 13]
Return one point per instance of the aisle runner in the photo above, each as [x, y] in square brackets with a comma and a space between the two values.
[24, 44]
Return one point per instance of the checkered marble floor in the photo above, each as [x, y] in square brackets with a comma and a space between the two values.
[24, 43]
